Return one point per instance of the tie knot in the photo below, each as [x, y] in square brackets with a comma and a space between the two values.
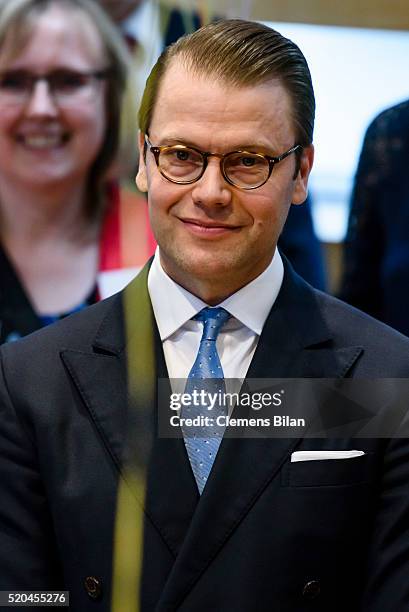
[213, 320]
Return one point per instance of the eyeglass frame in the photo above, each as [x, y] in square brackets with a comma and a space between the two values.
[98, 75]
[272, 161]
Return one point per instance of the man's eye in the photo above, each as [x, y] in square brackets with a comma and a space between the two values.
[182, 155]
[248, 162]
[242, 162]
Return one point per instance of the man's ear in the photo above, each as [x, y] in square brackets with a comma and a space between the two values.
[141, 178]
[301, 180]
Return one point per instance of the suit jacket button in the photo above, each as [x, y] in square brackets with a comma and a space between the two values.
[311, 589]
[93, 587]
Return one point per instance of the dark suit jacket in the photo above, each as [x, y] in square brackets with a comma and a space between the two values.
[266, 535]
[301, 246]
[376, 260]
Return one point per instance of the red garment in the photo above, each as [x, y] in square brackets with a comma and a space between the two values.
[126, 241]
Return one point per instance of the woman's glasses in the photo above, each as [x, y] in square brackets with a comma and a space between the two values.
[66, 86]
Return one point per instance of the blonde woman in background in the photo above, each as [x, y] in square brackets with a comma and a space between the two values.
[67, 235]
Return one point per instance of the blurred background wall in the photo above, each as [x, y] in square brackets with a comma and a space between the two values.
[354, 13]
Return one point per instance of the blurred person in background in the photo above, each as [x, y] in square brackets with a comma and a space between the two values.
[148, 27]
[67, 236]
[376, 256]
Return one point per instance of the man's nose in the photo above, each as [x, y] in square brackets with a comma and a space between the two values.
[212, 189]
[41, 101]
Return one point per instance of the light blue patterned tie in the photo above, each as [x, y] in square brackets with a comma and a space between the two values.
[202, 443]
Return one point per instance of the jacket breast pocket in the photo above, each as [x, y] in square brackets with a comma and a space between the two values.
[329, 472]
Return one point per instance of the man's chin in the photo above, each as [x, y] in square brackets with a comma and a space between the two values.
[199, 267]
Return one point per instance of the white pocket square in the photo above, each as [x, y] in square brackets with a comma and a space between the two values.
[320, 455]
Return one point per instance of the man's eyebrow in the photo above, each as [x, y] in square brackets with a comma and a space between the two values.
[171, 140]
[253, 147]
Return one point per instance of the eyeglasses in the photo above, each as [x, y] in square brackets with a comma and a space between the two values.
[242, 169]
[66, 86]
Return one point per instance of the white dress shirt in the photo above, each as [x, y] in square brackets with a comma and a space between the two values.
[174, 308]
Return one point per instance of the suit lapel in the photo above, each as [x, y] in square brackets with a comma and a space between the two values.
[289, 347]
[108, 379]
[169, 475]
[101, 382]
[172, 495]
[99, 375]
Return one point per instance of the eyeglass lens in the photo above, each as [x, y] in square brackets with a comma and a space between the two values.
[186, 165]
[16, 86]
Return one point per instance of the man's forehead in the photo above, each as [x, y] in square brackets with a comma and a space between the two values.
[187, 99]
[179, 77]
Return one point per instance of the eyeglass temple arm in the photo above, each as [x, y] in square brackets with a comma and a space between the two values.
[293, 149]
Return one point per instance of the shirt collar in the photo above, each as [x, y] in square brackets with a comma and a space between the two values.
[180, 305]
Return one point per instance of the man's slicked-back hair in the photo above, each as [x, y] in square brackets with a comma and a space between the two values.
[240, 54]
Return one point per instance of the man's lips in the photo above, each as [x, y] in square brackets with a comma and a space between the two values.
[208, 228]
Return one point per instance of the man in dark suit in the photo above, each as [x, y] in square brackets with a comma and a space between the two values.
[245, 525]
